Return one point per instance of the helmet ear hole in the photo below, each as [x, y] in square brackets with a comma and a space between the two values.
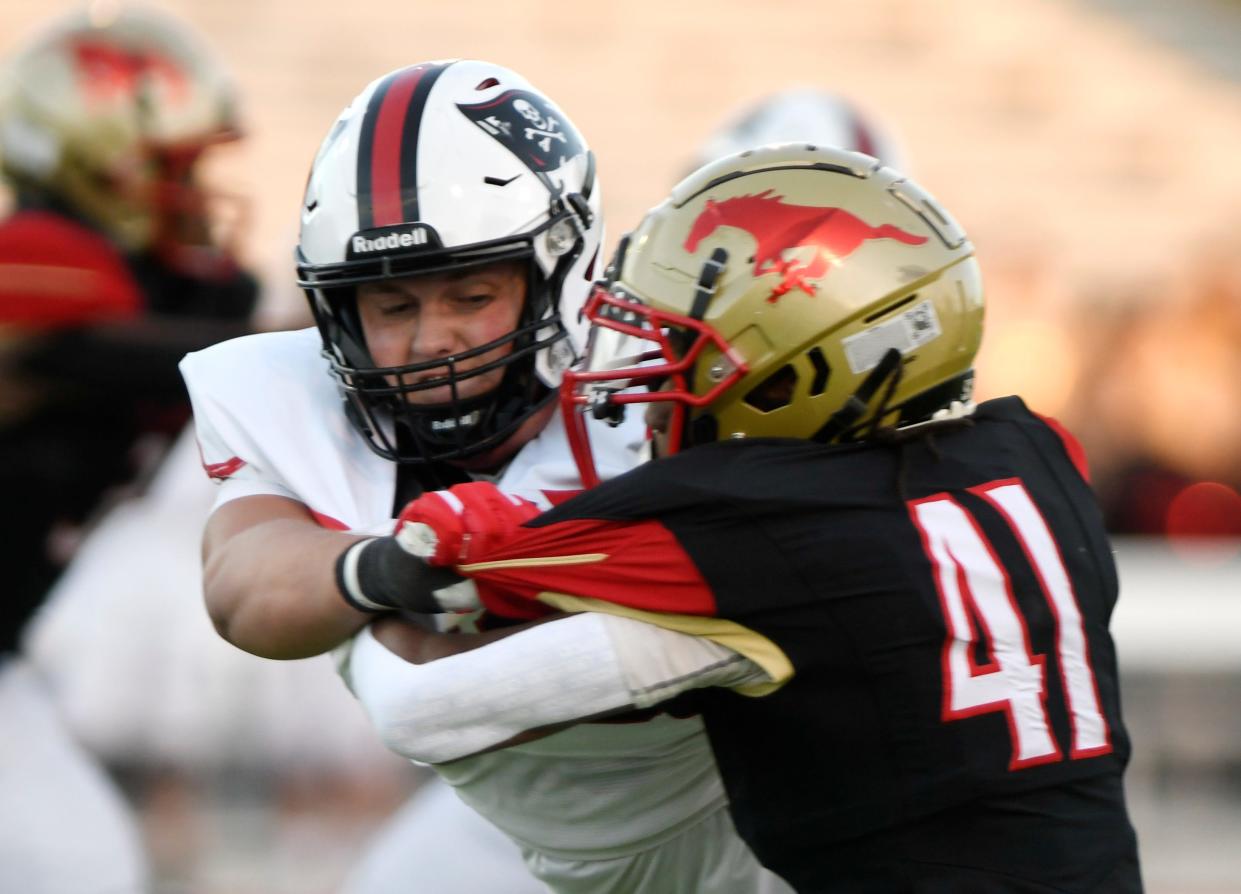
[775, 391]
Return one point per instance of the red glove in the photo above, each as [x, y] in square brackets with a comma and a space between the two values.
[460, 525]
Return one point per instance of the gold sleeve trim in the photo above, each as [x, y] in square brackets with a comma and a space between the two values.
[534, 562]
[728, 634]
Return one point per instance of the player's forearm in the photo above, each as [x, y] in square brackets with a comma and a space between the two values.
[270, 589]
[525, 682]
[463, 704]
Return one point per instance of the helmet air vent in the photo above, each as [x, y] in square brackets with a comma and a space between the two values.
[890, 308]
[821, 371]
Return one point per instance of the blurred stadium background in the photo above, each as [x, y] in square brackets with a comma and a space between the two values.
[1088, 146]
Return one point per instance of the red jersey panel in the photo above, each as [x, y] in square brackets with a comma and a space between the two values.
[54, 272]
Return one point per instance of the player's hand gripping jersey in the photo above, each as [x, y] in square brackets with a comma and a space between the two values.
[936, 612]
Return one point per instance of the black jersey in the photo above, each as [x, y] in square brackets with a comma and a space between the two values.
[942, 606]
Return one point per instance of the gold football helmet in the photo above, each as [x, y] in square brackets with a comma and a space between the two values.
[789, 291]
[104, 115]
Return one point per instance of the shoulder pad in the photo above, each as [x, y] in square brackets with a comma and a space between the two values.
[55, 272]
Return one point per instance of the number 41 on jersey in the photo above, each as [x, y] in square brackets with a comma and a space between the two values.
[973, 585]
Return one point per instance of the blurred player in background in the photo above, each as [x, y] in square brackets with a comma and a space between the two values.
[890, 606]
[110, 269]
[803, 115]
[450, 231]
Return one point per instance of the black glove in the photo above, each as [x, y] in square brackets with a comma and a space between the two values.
[380, 575]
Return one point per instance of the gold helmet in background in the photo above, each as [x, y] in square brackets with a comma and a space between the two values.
[788, 291]
[104, 115]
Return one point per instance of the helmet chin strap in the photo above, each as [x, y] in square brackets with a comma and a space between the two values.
[889, 367]
[703, 429]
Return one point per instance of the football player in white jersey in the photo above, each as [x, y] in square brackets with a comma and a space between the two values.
[450, 231]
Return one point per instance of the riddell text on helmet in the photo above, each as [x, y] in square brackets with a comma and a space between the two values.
[362, 245]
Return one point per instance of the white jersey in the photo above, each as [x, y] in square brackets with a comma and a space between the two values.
[270, 421]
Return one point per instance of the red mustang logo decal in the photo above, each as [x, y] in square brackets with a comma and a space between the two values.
[110, 73]
[832, 233]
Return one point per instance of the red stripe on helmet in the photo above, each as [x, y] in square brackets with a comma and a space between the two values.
[386, 149]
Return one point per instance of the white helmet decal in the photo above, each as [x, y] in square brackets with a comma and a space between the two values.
[528, 126]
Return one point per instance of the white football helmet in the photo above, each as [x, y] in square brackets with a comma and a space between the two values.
[804, 115]
[436, 167]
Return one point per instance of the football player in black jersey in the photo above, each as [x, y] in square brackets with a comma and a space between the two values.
[890, 606]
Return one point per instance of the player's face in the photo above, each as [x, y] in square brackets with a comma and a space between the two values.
[420, 319]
